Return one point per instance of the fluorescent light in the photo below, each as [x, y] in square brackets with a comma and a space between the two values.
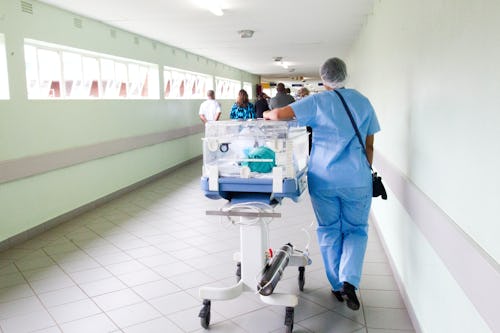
[216, 11]
[214, 7]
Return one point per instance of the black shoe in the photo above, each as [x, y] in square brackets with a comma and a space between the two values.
[338, 295]
[348, 292]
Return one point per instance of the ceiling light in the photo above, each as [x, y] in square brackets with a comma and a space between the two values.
[214, 6]
[216, 10]
[246, 33]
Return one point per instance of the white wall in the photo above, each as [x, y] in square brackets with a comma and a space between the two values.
[431, 69]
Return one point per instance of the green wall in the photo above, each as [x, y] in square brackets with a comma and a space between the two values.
[36, 127]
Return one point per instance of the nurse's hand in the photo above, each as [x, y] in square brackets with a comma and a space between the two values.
[284, 113]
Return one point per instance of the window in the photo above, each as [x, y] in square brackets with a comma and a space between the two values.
[184, 84]
[4, 78]
[54, 71]
[81, 76]
[226, 88]
[248, 88]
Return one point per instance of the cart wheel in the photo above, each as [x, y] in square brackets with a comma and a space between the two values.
[238, 272]
[302, 280]
[289, 319]
[205, 314]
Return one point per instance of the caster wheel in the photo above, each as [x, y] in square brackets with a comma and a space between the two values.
[289, 319]
[205, 314]
[302, 280]
[238, 272]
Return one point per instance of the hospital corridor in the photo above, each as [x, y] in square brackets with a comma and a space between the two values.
[183, 166]
[135, 265]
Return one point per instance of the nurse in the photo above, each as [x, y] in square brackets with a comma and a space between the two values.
[339, 176]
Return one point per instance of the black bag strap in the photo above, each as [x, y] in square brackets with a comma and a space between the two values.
[353, 124]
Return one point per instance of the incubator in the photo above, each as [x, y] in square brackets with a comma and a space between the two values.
[254, 165]
[255, 156]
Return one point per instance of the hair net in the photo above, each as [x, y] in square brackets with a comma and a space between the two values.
[333, 73]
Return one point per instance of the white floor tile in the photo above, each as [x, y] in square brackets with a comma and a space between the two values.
[102, 286]
[133, 314]
[15, 292]
[72, 311]
[139, 277]
[377, 318]
[175, 302]
[330, 322]
[96, 324]
[262, 320]
[117, 299]
[20, 307]
[62, 296]
[90, 275]
[156, 289]
[382, 299]
[159, 325]
[27, 322]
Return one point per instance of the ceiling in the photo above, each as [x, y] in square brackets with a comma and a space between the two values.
[304, 33]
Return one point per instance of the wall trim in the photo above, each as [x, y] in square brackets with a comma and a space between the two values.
[477, 273]
[15, 169]
[41, 228]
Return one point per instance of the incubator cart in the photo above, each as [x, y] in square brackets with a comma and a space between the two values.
[254, 165]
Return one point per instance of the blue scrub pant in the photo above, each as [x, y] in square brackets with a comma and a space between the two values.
[342, 216]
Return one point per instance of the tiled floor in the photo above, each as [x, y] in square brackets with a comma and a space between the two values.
[135, 265]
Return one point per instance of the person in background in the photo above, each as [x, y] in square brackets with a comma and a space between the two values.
[210, 109]
[281, 99]
[301, 93]
[261, 105]
[242, 108]
[339, 175]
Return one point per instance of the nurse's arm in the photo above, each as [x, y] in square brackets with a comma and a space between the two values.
[369, 147]
[283, 113]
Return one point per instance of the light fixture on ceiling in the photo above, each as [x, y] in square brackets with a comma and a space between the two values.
[247, 33]
[279, 61]
[214, 6]
[216, 10]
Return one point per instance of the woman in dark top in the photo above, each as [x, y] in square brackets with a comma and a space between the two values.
[261, 105]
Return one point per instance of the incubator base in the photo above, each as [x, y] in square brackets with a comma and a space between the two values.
[252, 259]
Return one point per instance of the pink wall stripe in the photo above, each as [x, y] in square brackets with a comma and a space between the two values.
[32, 165]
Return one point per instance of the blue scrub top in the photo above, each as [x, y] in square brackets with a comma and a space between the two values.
[337, 159]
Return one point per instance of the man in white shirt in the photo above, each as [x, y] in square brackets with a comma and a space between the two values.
[210, 109]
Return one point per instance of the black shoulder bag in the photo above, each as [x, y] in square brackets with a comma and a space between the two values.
[378, 187]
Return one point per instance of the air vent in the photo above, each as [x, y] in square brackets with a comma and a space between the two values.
[136, 40]
[112, 33]
[77, 23]
[26, 7]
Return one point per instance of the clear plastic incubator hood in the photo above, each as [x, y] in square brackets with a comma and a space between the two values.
[260, 157]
